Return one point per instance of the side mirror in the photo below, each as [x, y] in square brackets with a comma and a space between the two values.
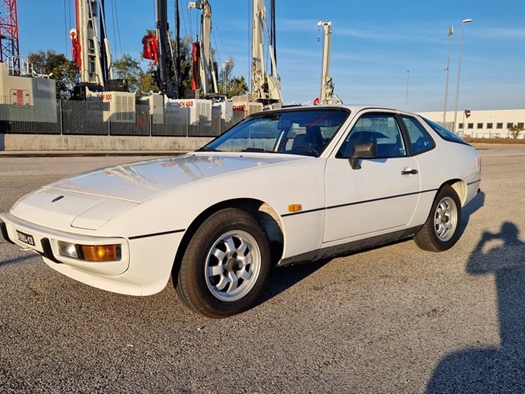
[362, 150]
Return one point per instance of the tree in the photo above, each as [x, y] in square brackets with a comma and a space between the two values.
[515, 130]
[146, 82]
[56, 66]
[233, 86]
[128, 68]
[185, 62]
[236, 86]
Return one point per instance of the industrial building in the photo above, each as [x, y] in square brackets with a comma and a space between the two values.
[482, 124]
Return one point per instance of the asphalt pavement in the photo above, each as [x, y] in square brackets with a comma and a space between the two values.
[390, 320]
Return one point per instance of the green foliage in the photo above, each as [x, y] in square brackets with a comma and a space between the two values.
[128, 68]
[233, 86]
[515, 130]
[147, 83]
[64, 71]
[236, 86]
[185, 63]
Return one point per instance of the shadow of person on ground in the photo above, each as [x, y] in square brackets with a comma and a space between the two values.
[493, 369]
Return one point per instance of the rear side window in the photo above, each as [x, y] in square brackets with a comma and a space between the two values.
[446, 134]
[420, 141]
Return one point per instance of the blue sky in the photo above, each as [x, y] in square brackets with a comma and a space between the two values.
[381, 49]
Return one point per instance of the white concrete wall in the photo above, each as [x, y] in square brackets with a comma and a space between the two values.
[39, 142]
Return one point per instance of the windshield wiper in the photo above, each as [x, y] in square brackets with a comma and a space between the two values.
[258, 150]
[205, 149]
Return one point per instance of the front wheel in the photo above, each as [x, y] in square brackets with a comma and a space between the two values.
[442, 229]
[226, 264]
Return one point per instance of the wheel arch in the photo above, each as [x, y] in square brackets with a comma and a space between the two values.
[265, 214]
[460, 187]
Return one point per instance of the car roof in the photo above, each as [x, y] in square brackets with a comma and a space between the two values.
[352, 107]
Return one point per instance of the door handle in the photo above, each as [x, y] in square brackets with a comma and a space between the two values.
[409, 171]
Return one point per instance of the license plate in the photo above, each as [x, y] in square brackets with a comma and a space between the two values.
[25, 238]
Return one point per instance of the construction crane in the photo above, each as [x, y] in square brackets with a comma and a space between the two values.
[91, 52]
[207, 78]
[327, 86]
[90, 45]
[266, 87]
[10, 51]
[157, 47]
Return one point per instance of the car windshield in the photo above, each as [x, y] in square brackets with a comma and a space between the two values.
[444, 133]
[305, 131]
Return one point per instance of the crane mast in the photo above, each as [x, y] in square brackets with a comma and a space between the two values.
[327, 85]
[9, 35]
[207, 78]
[91, 53]
[166, 74]
[91, 50]
[157, 47]
[266, 88]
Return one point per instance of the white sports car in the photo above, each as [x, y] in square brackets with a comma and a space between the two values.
[283, 186]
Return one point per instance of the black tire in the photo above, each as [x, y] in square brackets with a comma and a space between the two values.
[441, 231]
[225, 266]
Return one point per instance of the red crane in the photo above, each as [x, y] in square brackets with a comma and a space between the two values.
[10, 51]
[157, 47]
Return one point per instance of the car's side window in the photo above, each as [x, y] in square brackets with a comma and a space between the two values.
[382, 129]
[420, 141]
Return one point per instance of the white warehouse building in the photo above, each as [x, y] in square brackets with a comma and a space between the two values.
[481, 124]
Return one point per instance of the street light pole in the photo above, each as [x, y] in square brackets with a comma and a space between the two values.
[224, 77]
[406, 98]
[450, 32]
[465, 21]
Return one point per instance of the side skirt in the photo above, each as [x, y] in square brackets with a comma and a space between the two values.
[350, 247]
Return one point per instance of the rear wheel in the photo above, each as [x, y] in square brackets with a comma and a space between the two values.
[441, 230]
[226, 264]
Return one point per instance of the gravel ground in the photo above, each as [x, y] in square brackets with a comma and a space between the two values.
[390, 320]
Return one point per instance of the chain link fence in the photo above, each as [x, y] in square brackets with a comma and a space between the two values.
[70, 117]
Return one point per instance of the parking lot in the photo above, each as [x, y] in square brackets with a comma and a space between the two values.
[390, 320]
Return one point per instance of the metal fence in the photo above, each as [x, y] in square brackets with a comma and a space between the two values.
[70, 117]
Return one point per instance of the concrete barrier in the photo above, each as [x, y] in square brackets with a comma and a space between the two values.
[40, 142]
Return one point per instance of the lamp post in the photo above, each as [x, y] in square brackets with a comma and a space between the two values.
[450, 32]
[465, 21]
[406, 97]
[224, 77]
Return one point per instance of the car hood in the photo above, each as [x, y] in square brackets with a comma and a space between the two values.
[137, 182]
[91, 199]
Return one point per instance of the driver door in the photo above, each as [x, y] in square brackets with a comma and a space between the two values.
[380, 196]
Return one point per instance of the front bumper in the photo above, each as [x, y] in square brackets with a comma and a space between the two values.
[44, 241]
[144, 269]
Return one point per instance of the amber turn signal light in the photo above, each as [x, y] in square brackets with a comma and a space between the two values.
[101, 253]
[295, 207]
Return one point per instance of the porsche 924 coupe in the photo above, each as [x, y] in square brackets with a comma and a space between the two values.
[283, 186]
